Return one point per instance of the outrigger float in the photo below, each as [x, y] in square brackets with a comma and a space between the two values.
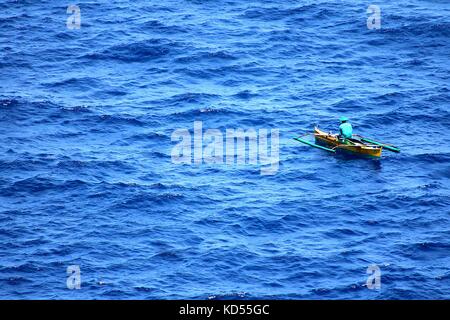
[357, 145]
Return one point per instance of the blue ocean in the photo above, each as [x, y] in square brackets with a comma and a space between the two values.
[93, 206]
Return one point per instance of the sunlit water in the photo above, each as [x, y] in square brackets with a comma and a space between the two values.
[86, 177]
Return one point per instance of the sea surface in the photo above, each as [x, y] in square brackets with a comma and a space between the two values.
[87, 178]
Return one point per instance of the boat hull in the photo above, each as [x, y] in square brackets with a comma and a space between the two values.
[354, 148]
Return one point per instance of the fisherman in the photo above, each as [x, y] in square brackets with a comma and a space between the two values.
[345, 129]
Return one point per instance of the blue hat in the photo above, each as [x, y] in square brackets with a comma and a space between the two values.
[343, 119]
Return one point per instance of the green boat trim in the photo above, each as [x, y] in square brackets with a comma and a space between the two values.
[314, 145]
[385, 146]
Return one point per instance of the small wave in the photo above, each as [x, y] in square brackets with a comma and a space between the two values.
[425, 250]
[78, 83]
[192, 113]
[15, 280]
[171, 255]
[389, 97]
[40, 184]
[148, 136]
[405, 115]
[159, 27]
[430, 29]
[343, 232]
[277, 13]
[8, 103]
[187, 98]
[114, 119]
[148, 200]
[27, 267]
[77, 109]
[229, 296]
[249, 69]
[245, 94]
[427, 158]
[136, 52]
[101, 165]
[207, 56]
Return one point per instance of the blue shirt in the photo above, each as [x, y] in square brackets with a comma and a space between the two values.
[346, 130]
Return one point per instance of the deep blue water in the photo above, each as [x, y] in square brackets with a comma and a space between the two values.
[86, 177]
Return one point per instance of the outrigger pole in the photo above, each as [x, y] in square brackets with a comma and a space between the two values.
[385, 146]
[313, 144]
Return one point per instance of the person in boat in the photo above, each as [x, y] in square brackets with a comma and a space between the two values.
[345, 129]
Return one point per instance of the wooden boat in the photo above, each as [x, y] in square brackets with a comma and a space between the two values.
[357, 145]
[352, 146]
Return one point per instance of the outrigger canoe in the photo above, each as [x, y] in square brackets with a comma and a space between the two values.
[359, 146]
